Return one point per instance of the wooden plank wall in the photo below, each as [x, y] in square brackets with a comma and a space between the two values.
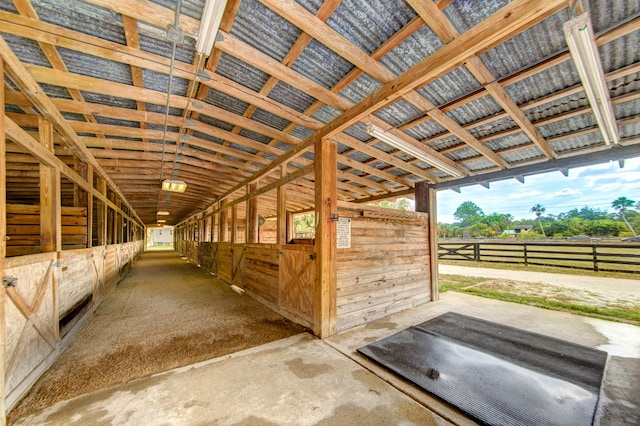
[48, 286]
[386, 270]
[258, 269]
[75, 280]
[23, 229]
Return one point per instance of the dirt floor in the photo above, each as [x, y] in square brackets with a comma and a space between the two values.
[165, 314]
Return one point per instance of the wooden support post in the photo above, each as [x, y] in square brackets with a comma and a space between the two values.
[50, 211]
[102, 214]
[281, 214]
[324, 298]
[90, 208]
[291, 227]
[79, 195]
[252, 215]
[224, 222]
[3, 241]
[234, 223]
[426, 199]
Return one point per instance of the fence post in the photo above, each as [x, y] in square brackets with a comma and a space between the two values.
[595, 258]
[476, 252]
[526, 261]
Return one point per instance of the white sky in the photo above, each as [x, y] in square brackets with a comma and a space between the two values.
[593, 186]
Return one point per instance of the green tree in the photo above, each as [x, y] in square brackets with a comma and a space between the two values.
[480, 230]
[468, 213]
[304, 222]
[605, 227]
[621, 204]
[399, 204]
[538, 209]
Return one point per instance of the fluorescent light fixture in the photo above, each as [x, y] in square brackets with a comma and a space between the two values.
[410, 149]
[163, 213]
[173, 185]
[579, 35]
[209, 25]
[162, 221]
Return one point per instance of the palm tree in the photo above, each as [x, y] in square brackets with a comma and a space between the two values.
[538, 209]
[621, 204]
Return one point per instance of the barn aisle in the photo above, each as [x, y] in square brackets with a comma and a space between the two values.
[165, 314]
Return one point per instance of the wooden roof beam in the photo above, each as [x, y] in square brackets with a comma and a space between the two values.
[30, 88]
[447, 32]
[504, 24]
[304, 20]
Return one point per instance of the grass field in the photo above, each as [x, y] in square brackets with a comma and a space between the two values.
[540, 268]
[546, 296]
[579, 256]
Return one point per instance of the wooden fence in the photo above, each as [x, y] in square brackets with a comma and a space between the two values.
[588, 256]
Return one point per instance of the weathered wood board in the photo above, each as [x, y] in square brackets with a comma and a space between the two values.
[386, 269]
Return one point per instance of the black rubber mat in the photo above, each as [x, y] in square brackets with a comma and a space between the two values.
[498, 375]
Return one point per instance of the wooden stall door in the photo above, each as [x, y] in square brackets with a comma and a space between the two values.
[297, 280]
[31, 322]
[213, 264]
[97, 259]
[238, 266]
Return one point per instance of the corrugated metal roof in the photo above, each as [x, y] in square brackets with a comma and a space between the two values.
[369, 23]
[360, 88]
[527, 48]
[241, 72]
[26, 50]
[93, 66]
[398, 113]
[271, 120]
[83, 17]
[229, 103]
[412, 50]
[542, 84]
[607, 13]
[465, 14]
[264, 29]
[450, 86]
[425, 130]
[321, 65]
[475, 110]
[192, 8]
[290, 96]
[326, 114]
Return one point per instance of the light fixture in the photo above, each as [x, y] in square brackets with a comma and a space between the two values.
[580, 39]
[172, 185]
[209, 25]
[163, 213]
[402, 145]
[162, 221]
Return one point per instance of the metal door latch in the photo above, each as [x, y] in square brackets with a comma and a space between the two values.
[9, 281]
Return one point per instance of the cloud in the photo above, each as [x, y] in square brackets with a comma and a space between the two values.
[566, 192]
[526, 194]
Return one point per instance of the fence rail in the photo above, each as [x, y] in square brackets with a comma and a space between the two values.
[588, 256]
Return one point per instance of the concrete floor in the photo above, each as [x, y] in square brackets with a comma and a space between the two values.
[303, 381]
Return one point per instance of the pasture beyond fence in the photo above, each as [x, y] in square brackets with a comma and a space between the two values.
[623, 257]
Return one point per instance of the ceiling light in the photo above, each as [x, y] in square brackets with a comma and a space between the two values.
[173, 185]
[162, 221]
[579, 35]
[209, 25]
[410, 149]
[163, 213]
